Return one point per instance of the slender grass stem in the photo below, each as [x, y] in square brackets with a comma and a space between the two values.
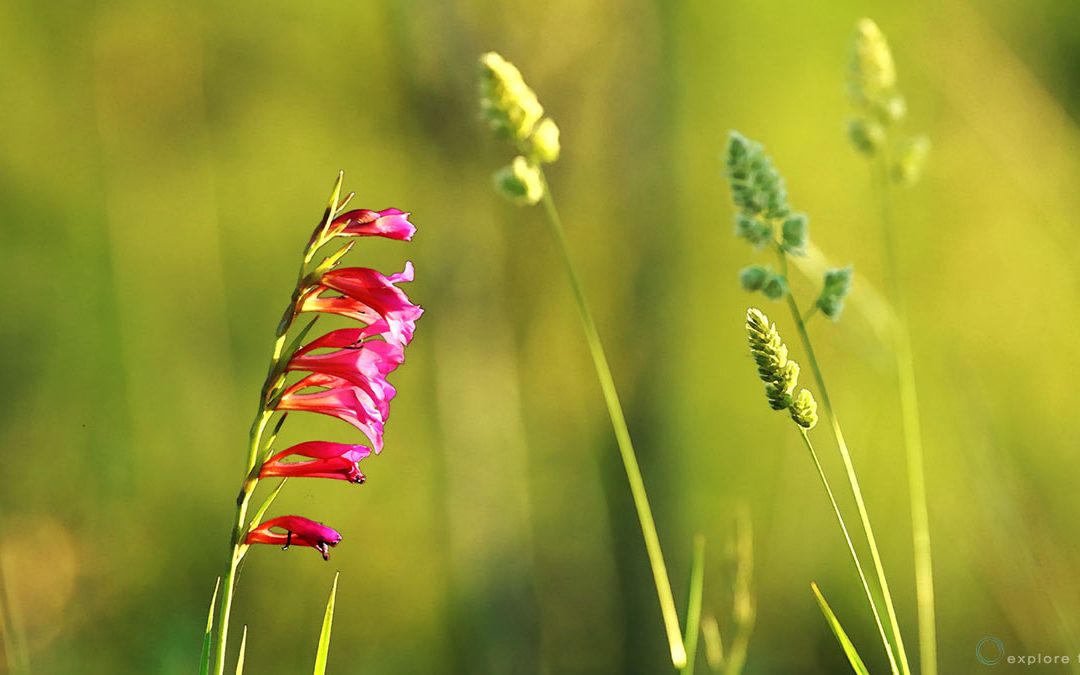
[912, 430]
[849, 467]
[851, 548]
[622, 437]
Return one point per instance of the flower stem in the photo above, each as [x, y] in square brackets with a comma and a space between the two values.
[622, 436]
[849, 467]
[912, 430]
[851, 548]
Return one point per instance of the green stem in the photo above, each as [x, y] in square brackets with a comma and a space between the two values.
[851, 547]
[912, 431]
[849, 467]
[622, 436]
[239, 524]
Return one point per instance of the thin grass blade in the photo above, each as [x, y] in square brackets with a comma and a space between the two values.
[849, 649]
[243, 651]
[714, 644]
[324, 636]
[204, 660]
[693, 603]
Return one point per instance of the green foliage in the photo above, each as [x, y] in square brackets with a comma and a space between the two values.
[841, 636]
[243, 652]
[204, 658]
[324, 634]
[693, 604]
[835, 288]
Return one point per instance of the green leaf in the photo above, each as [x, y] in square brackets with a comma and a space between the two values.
[324, 636]
[204, 660]
[693, 604]
[849, 649]
[243, 650]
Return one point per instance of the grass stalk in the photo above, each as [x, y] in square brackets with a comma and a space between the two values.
[622, 437]
[911, 426]
[853, 480]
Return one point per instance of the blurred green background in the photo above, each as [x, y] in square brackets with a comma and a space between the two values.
[161, 165]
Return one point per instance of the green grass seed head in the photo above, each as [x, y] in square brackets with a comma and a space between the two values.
[779, 373]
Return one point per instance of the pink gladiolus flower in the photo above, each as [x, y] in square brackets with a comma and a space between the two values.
[297, 530]
[391, 223]
[369, 296]
[327, 460]
[337, 398]
[363, 364]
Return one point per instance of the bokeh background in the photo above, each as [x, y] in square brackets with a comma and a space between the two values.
[161, 164]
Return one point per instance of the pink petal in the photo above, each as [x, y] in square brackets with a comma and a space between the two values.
[390, 223]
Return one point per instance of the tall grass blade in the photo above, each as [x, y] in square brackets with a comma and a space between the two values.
[714, 644]
[204, 660]
[849, 649]
[324, 636]
[693, 603]
[243, 651]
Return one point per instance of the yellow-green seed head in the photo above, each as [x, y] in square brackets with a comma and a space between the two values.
[779, 373]
[520, 182]
[545, 141]
[508, 104]
[804, 410]
[910, 160]
[872, 72]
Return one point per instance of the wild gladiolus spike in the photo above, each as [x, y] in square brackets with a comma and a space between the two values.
[343, 374]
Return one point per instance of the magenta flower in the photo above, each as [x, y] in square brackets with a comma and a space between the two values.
[338, 398]
[295, 530]
[367, 296]
[327, 460]
[391, 223]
